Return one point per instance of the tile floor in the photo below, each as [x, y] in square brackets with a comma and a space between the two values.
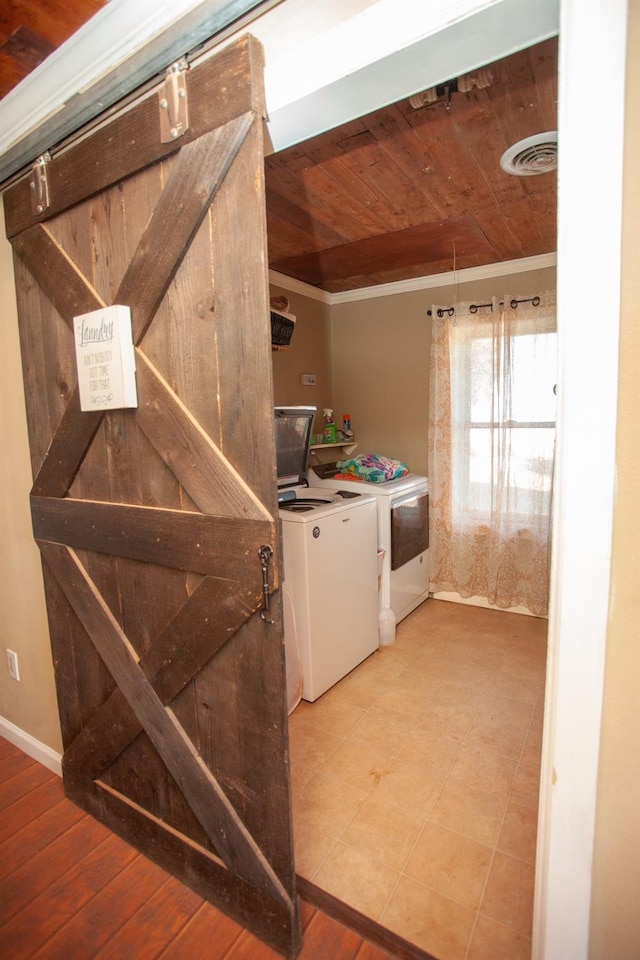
[415, 782]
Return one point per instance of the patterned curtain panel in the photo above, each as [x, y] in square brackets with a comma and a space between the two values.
[491, 450]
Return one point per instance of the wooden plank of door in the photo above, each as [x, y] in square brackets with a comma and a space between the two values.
[252, 731]
[250, 906]
[202, 791]
[199, 170]
[207, 476]
[207, 620]
[56, 273]
[170, 538]
[225, 87]
[198, 464]
[197, 174]
[66, 450]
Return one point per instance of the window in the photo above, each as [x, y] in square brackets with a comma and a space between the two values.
[503, 408]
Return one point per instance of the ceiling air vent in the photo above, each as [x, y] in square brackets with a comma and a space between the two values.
[533, 155]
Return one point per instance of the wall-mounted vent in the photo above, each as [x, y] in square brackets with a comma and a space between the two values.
[282, 327]
[531, 156]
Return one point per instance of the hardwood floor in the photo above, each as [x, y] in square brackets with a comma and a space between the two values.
[69, 888]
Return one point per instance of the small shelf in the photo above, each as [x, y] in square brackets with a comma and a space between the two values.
[347, 445]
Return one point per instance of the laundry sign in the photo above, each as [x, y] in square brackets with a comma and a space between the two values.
[105, 358]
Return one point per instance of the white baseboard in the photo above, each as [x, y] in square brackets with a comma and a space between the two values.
[479, 602]
[33, 748]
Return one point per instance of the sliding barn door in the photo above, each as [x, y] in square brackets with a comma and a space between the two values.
[171, 685]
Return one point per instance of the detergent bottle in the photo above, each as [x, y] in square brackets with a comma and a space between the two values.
[329, 433]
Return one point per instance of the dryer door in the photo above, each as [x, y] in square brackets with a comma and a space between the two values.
[409, 527]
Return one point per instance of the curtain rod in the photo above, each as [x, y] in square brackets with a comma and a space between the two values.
[535, 301]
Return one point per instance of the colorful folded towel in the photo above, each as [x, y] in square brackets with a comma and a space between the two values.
[373, 468]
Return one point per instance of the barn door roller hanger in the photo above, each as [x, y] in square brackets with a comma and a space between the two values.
[173, 102]
[39, 185]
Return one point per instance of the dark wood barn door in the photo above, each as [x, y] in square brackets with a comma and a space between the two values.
[171, 685]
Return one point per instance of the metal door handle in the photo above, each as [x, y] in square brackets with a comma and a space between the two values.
[265, 552]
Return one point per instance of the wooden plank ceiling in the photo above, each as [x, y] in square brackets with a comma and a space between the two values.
[407, 192]
[403, 192]
[32, 29]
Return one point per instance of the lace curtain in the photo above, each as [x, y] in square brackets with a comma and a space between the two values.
[491, 448]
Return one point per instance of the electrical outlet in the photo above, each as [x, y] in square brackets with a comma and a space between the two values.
[12, 662]
[308, 379]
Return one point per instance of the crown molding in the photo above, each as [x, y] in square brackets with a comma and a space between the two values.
[298, 286]
[488, 271]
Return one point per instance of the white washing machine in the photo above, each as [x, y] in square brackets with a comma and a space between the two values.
[403, 535]
[330, 562]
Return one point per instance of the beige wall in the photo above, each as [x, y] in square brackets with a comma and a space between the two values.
[380, 358]
[615, 916]
[380, 361]
[30, 704]
[309, 352]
